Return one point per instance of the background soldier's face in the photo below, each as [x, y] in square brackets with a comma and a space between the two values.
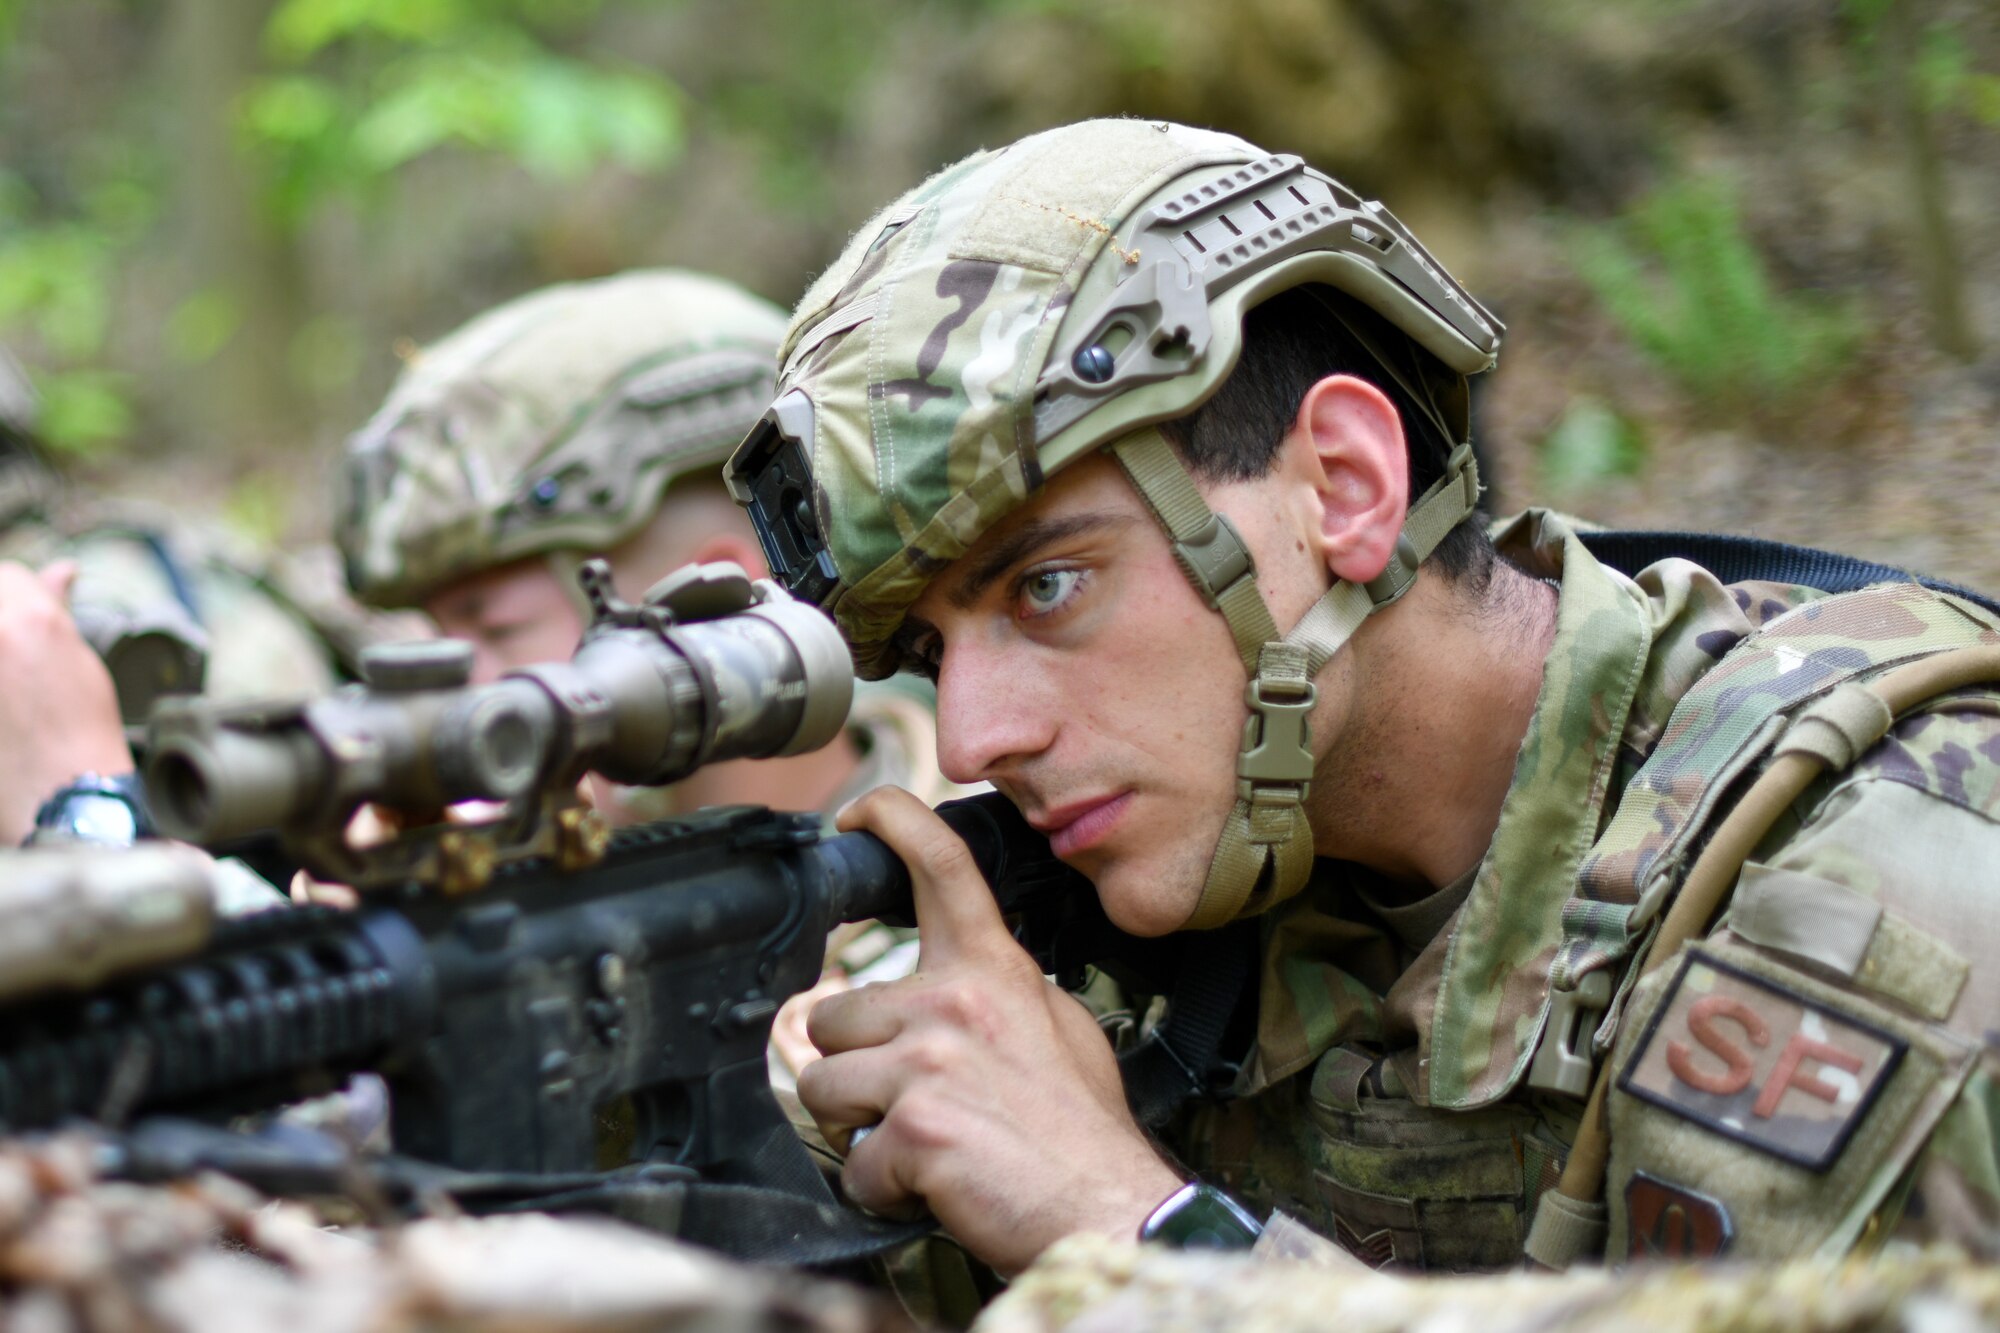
[514, 615]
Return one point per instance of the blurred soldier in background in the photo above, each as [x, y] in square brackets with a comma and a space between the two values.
[584, 419]
[166, 612]
[592, 418]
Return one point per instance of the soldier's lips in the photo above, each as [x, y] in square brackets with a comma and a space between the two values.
[1081, 825]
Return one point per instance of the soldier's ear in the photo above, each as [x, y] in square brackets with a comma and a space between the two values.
[1349, 439]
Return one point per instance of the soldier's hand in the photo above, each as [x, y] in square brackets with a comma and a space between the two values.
[992, 1095]
[58, 712]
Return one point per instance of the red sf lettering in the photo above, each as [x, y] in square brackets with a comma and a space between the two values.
[1787, 1074]
[1702, 1022]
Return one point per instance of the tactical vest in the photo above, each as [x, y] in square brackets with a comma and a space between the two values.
[1770, 1087]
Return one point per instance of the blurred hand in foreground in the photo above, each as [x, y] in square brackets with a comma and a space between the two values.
[59, 712]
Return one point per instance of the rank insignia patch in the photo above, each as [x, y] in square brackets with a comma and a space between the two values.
[1757, 1063]
[1669, 1222]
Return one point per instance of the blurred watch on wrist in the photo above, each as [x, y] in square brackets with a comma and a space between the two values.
[1201, 1217]
[101, 811]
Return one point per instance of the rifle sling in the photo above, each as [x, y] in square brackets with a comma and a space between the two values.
[1734, 559]
[1181, 1058]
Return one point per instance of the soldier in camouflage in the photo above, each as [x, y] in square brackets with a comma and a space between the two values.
[1152, 450]
[583, 419]
[592, 418]
[166, 612]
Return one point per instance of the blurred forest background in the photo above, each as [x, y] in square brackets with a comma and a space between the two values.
[1746, 249]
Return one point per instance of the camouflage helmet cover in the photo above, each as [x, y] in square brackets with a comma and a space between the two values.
[554, 422]
[1026, 307]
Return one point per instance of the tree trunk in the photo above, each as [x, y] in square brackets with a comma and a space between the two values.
[1939, 272]
[231, 251]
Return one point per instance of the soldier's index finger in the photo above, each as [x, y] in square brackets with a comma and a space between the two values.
[956, 913]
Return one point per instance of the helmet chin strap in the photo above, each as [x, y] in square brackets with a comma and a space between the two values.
[1266, 851]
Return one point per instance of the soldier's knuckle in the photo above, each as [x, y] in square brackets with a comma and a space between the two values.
[934, 1052]
[824, 1018]
[944, 856]
[964, 1004]
[924, 1122]
[813, 1083]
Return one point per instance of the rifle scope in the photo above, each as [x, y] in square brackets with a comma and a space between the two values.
[708, 668]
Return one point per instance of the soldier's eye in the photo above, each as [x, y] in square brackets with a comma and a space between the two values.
[922, 655]
[1044, 591]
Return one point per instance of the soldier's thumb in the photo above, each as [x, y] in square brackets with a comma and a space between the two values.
[58, 576]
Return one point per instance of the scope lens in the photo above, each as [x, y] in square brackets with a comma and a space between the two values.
[177, 790]
[502, 749]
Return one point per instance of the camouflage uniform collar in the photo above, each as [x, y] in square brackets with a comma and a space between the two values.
[1416, 924]
[1483, 1021]
[1486, 1020]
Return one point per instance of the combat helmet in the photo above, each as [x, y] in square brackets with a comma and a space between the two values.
[551, 425]
[1027, 307]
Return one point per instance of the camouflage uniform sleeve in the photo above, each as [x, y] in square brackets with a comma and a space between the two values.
[1894, 879]
[1817, 1076]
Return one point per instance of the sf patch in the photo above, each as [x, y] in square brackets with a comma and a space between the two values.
[1760, 1064]
[1672, 1222]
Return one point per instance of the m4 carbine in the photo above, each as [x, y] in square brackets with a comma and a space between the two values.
[516, 977]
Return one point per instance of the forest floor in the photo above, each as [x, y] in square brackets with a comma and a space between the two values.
[1896, 460]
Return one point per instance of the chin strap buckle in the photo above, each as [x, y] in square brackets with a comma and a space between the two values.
[1275, 765]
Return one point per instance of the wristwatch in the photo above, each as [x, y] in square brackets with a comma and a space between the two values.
[1201, 1217]
[105, 812]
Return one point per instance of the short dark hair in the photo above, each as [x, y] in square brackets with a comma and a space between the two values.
[1290, 343]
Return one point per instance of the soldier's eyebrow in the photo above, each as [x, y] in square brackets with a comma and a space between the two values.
[1024, 543]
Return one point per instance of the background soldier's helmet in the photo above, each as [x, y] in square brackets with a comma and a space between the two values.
[1026, 308]
[552, 423]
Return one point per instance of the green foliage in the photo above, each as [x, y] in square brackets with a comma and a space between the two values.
[790, 124]
[1949, 81]
[1685, 282]
[57, 282]
[352, 93]
[367, 86]
[1946, 76]
[84, 412]
[201, 325]
[326, 354]
[1591, 444]
[258, 507]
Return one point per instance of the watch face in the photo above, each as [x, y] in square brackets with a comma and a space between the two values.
[1202, 1217]
[93, 817]
[100, 819]
[1214, 1229]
